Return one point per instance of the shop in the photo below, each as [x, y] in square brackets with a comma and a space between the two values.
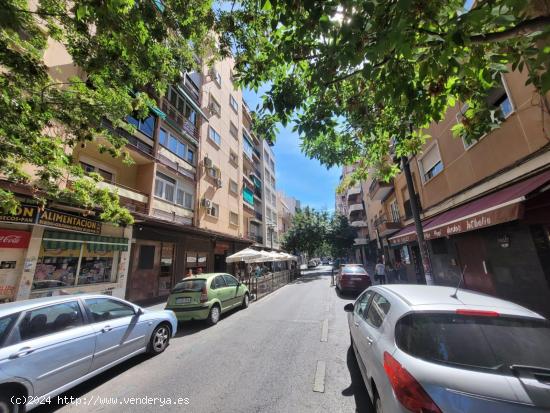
[164, 253]
[498, 244]
[52, 252]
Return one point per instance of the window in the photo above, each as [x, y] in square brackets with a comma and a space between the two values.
[217, 282]
[233, 158]
[493, 344]
[362, 304]
[180, 106]
[214, 210]
[272, 164]
[5, 326]
[273, 181]
[214, 136]
[233, 218]
[165, 187]
[217, 77]
[439, 246]
[213, 172]
[176, 146]
[248, 196]
[405, 256]
[274, 198]
[184, 199]
[230, 281]
[189, 286]
[215, 107]
[378, 310]
[49, 320]
[248, 149]
[233, 103]
[233, 130]
[145, 126]
[430, 164]
[233, 187]
[107, 176]
[394, 211]
[408, 207]
[498, 98]
[146, 259]
[103, 309]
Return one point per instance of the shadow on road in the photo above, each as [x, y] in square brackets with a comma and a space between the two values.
[347, 295]
[90, 385]
[357, 387]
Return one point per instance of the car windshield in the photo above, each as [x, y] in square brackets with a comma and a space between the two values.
[475, 342]
[354, 270]
[189, 286]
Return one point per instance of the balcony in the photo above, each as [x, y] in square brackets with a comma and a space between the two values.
[132, 199]
[258, 216]
[355, 207]
[360, 223]
[192, 89]
[176, 119]
[134, 143]
[255, 237]
[386, 227]
[168, 211]
[379, 190]
[356, 190]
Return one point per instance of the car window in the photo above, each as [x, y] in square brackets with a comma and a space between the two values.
[362, 304]
[218, 282]
[354, 270]
[377, 310]
[491, 344]
[103, 309]
[48, 320]
[189, 286]
[5, 326]
[230, 281]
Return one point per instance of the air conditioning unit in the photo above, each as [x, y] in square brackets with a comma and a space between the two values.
[206, 203]
[207, 162]
[219, 182]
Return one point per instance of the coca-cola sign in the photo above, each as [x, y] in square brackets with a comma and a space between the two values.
[14, 239]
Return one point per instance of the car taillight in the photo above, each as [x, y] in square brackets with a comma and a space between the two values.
[407, 390]
[481, 313]
[204, 295]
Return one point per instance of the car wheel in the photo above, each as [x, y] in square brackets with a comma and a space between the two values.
[377, 404]
[159, 339]
[214, 315]
[6, 406]
[246, 301]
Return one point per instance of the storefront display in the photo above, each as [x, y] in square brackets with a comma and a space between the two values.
[196, 262]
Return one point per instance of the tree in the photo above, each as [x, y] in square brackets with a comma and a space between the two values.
[128, 51]
[307, 231]
[362, 79]
[341, 235]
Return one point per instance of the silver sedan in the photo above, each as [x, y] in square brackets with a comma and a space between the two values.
[49, 345]
[426, 349]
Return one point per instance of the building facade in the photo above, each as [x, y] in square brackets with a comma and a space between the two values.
[484, 205]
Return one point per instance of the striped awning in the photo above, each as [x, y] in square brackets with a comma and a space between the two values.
[74, 240]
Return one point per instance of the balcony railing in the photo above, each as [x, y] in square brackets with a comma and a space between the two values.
[132, 140]
[191, 88]
[386, 227]
[180, 122]
[255, 237]
[379, 190]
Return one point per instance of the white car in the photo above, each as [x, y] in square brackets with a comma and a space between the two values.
[48, 345]
[426, 349]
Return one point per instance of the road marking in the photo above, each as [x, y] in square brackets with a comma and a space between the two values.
[324, 330]
[319, 383]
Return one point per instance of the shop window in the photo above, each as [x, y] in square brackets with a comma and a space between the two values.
[430, 164]
[405, 254]
[166, 268]
[196, 262]
[439, 246]
[146, 259]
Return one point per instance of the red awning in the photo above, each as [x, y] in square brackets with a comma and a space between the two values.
[497, 208]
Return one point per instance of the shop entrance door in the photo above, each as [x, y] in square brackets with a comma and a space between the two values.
[219, 263]
[472, 254]
[144, 271]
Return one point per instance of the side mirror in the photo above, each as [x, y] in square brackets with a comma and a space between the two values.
[139, 311]
[348, 308]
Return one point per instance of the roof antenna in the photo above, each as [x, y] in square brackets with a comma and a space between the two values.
[453, 295]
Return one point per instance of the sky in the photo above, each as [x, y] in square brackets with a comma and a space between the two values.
[298, 176]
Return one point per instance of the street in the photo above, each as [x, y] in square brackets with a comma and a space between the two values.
[267, 358]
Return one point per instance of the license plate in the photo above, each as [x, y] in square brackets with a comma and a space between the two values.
[356, 279]
[183, 300]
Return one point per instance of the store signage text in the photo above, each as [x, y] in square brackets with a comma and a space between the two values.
[58, 219]
[14, 239]
[25, 214]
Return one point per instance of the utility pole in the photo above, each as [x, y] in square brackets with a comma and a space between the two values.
[426, 264]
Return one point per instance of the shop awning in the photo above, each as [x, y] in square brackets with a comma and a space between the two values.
[497, 208]
[74, 240]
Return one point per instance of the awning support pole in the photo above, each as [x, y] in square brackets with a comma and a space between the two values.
[418, 223]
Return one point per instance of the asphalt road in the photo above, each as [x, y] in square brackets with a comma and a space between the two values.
[271, 357]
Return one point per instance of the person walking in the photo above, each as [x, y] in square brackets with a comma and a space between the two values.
[380, 272]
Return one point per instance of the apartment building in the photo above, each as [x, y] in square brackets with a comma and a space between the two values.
[286, 209]
[271, 235]
[484, 204]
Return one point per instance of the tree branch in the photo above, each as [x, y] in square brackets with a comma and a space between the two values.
[348, 75]
[522, 29]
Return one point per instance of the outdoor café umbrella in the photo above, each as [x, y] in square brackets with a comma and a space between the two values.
[264, 256]
[245, 255]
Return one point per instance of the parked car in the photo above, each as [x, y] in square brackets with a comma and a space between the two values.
[207, 296]
[312, 264]
[49, 345]
[425, 349]
[352, 278]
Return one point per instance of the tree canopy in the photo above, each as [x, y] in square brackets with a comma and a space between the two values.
[126, 51]
[363, 79]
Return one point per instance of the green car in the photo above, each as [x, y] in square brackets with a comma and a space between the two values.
[207, 296]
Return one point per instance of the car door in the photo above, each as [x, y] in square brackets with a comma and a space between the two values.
[373, 347]
[222, 292]
[50, 346]
[234, 294]
[118, 328]
[357, 328]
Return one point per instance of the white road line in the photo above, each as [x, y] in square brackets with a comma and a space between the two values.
[319, 383]
[324, 330]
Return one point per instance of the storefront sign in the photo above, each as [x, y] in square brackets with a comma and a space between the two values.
[58, 219]
[14, 239]
[25, 214]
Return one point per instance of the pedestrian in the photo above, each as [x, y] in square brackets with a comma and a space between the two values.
[380, 272]
[400, 272]
[390, 273]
